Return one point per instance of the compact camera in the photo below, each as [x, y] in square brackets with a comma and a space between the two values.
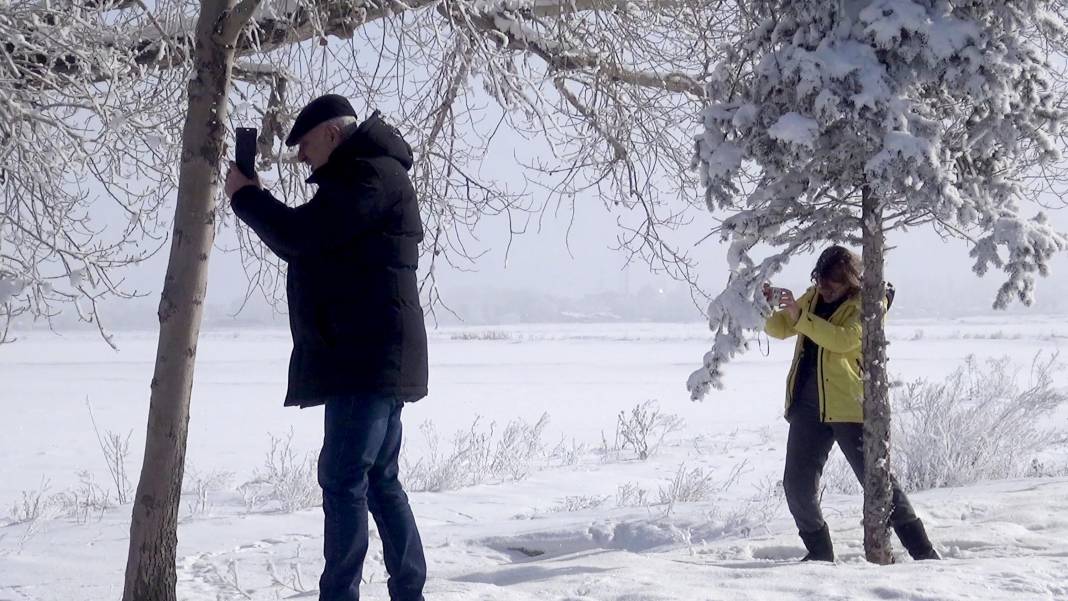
[775, 296]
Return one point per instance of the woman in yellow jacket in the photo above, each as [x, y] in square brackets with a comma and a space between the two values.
[824, 392]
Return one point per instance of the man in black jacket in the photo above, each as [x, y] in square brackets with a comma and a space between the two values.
[359, 343]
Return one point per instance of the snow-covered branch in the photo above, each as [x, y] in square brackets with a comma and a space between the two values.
[943, 111]
[96, 89]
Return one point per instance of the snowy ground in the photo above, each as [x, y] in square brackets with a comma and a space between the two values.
[572, 529]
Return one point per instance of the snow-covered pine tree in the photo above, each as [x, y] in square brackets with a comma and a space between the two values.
[840, 120]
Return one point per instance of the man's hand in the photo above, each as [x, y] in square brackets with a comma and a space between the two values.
[235, 180]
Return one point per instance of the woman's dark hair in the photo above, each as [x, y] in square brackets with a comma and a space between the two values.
[839, 264]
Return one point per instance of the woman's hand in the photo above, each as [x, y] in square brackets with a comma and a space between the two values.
[789, 304]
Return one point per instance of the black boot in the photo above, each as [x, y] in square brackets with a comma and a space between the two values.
[818, 544]
[914, 539]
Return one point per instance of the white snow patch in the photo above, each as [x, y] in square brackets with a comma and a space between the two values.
[794, 128]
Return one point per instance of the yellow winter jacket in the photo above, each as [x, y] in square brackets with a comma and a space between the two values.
[838, 368]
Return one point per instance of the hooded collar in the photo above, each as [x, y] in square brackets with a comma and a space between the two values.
[373, 138]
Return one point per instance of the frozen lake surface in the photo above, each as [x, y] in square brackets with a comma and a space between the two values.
[569, 529]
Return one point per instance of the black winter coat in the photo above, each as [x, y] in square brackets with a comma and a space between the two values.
[352, 253]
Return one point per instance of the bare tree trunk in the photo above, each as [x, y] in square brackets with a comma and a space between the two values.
[877, 494]
[151, 565]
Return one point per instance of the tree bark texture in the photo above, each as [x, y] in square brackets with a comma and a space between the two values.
[877, 492]
[151, 564]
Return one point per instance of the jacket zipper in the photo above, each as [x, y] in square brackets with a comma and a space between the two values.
[822, 389]
[819, 370]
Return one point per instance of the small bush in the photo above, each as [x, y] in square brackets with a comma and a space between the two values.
[485, 335]
[564, 454]
[1041, 469]
[687, 487]
[288, 480]
[86, 499]
[293, 581]
[838, 476]
[199, 486]
[979, 424]
[461, 465]
[517, 448]
[116, 451]
[33, 505]
[30, 512]
[758, 510]
[476, 454]
[631, 494]
[644, 430]
[579, 503]
[696, 485]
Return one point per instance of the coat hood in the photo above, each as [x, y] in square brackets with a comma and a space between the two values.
[373, 138]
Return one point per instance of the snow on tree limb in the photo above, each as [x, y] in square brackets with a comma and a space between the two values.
[943, 110]
[95, 85]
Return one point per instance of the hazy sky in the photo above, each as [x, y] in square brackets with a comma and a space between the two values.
[556, 260]
[551, 259]
[925, 268]
[920, 260]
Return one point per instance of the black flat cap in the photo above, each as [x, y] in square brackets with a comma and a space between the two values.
[322, 109]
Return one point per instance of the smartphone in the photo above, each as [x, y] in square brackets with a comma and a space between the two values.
[245, 151]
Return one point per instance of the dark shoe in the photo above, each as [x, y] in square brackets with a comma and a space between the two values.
[914, 539]
[818, 544]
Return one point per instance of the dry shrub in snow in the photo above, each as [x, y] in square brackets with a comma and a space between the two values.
[518, 446]
[476, 454]
[573, 503]
[116, 451]
[979, 424]
[33, 506]
[88, 498]
[198, 486]
[1040, 469]
[838, 476]
[565, 453]
[450, 469]
[688, 486]
[288, 480]
[734, 517]
[484, 335]
[30, 512]
[632, 494]
[764, 505]
[644, 430]
[293, 581]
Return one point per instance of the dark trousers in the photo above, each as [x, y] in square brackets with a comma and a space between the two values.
[358, 472]
[807, 450]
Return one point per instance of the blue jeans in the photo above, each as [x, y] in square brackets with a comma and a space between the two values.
[358, 472]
